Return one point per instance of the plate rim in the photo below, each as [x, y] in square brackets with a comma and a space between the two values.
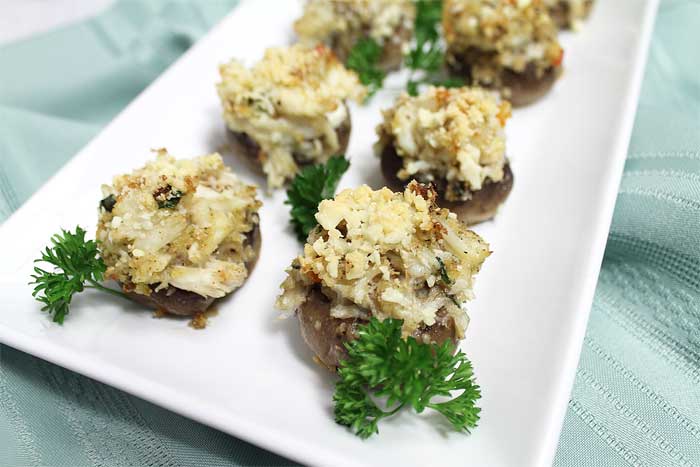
[262, 436]
[614, 175]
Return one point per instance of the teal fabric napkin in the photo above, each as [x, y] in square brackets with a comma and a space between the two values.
[636, 399]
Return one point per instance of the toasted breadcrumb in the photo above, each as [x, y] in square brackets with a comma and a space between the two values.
[341, 23]
[456, 135]
[160, 313]
[181, 223]
[290, 103]
[199, 321]
[493, 35]
[388, 254]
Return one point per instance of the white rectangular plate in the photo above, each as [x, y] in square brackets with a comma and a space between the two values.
[249, 373]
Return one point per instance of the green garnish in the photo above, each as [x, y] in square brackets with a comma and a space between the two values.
[363, 59]
[412, 85]
[427, 54]
[443, 271]
[403, 373]
[427, 57]
[108, 203]
[312, 185]
[167, 197]
[77, 265]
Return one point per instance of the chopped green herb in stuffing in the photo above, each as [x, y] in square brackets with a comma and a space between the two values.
[443, 271]
[108, 203]
[167, 197]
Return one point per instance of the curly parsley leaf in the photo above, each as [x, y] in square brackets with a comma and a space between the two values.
[428, 19]
[412, 87]
[427, 53]
[76, 265]
[381, 365]
[363, 59]
[312, 185]
[427, 56]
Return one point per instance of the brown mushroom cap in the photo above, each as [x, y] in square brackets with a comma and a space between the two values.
[527, 87]
[326, 336]
[483, 203]
[520, 88]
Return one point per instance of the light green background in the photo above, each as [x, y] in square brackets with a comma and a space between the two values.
[636, 399]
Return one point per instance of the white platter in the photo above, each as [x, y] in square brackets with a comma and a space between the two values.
[248, 373]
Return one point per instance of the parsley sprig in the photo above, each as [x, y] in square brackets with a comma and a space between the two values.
[427, 53]
[427, 57]
[425, 60]
[77, 265]
[312, 185]
[404, 373]
[363, 59]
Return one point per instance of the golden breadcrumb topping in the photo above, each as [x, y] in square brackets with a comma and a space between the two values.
[340, 23]
[291, 104]
[454, 136]
[388, 254]
[183, 223]
[495, 34]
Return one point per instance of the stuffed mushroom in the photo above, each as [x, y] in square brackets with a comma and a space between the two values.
[290, 108]
[501, 44]
[454, 139]
[567, 14]
[178, 234]
[340, 24]
[386, 255]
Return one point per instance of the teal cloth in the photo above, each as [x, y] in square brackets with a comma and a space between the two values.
[636, 399]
